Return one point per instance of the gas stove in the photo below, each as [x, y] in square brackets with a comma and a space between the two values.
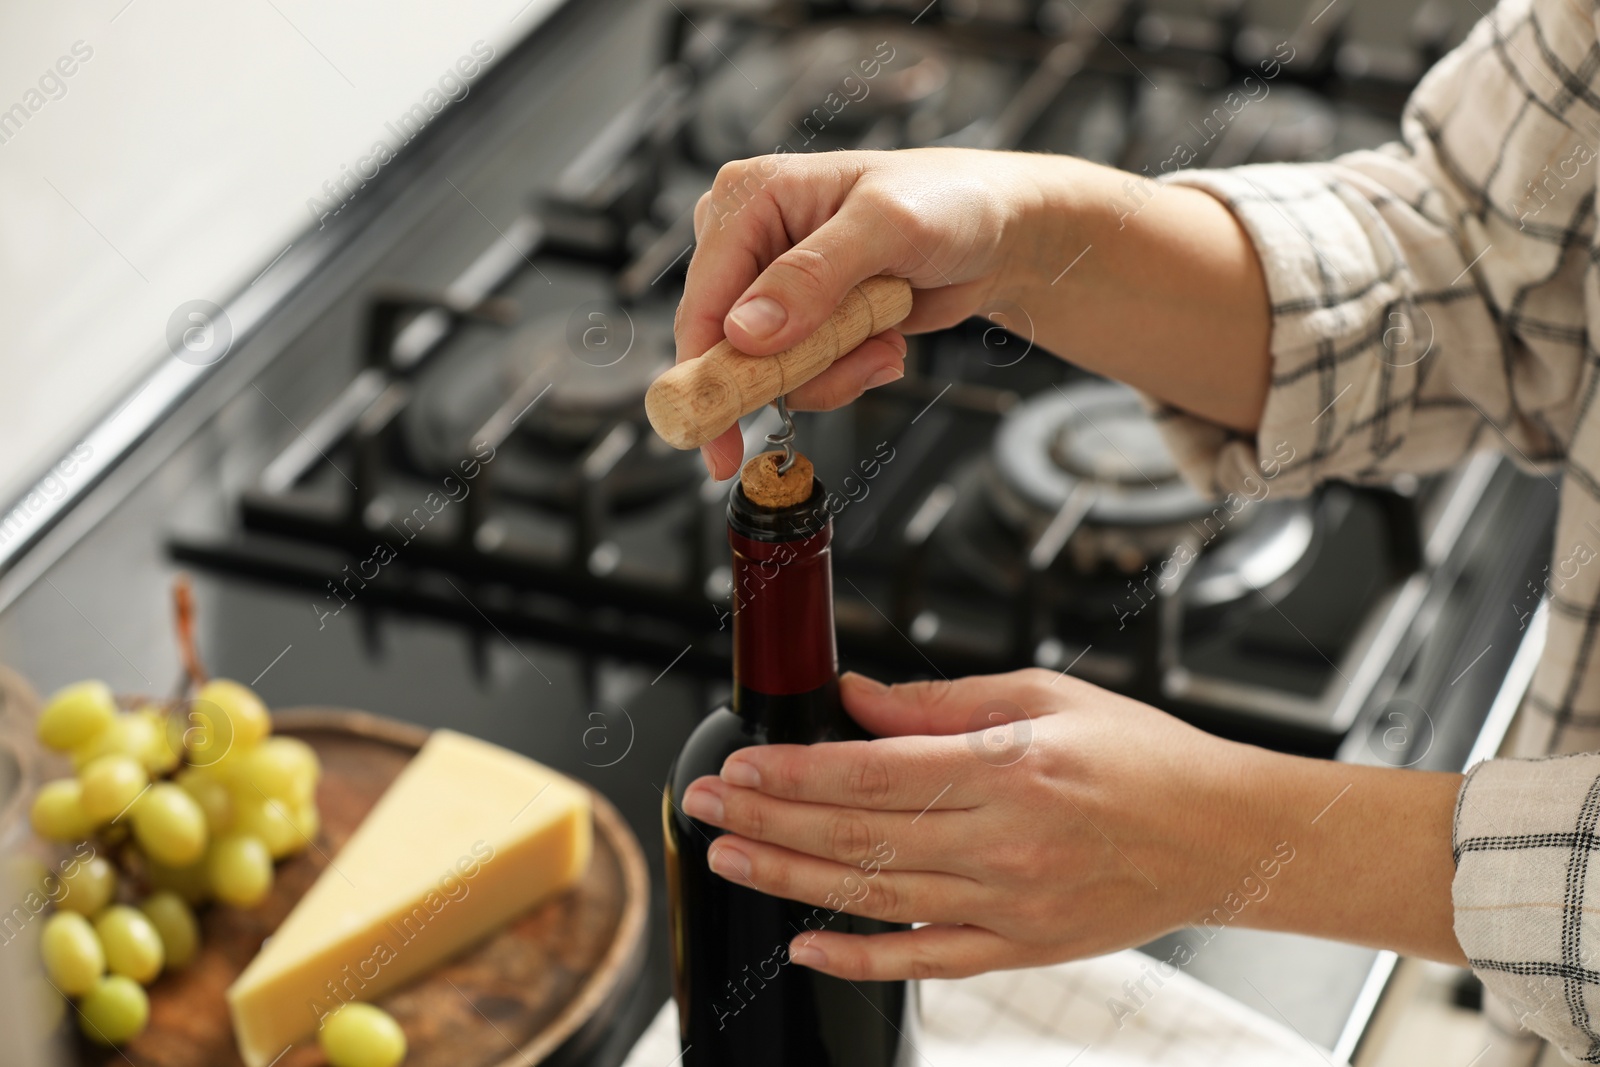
[424, 485]
[999, 509]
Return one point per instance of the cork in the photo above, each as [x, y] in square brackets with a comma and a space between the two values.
[767, 488]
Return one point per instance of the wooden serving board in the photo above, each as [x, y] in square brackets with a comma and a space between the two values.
[511, 1000]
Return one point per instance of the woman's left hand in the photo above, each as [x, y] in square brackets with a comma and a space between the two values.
[1028, 817]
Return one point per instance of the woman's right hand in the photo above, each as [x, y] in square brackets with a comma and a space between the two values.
[1169, 298]
[781, 239]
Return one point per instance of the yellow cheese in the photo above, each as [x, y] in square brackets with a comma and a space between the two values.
[466, 837]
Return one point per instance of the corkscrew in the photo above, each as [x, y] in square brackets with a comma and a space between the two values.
[692, 403]
[784, 438]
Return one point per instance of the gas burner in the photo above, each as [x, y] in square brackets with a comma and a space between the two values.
[816, 94]
[1089, 453]
[598, 360]
[584, 374]
[1265, 551]
[1095, 437]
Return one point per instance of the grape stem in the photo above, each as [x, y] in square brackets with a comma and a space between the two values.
[183, 610]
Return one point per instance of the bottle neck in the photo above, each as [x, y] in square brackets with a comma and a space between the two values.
[783, 638]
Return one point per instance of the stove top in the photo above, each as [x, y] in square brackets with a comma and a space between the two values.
[424, 485]
[998, 509]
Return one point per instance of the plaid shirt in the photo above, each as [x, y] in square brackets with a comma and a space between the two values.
[1434, 297]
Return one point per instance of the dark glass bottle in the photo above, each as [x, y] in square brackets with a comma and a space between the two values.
[740, 1000]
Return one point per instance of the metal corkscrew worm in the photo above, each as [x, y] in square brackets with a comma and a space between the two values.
[785, 438]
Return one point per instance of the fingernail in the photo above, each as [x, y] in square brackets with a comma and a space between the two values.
[702, 803]
[729, 861]
[861, 681]
[760, 316]
[742, 774]
[709, 459]
[885, 375]
[808, 956]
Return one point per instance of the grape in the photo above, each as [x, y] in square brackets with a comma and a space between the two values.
[282, 768]
[73, 957]
[307, 822]
[141, 733]
[169, 825]
[271, 822]
[240, 868]
[306, 755]
[202, 733]
[57, 812]
[110, 784]
[211, 793]
[244, 709]
[175, 922]
[126, 735]
[88, 886]
[75, 714]
[157, 753]
[114, 1011]
[189, 882]
[360, 1035]
[223, 718]
[113, 740]
[132, 945]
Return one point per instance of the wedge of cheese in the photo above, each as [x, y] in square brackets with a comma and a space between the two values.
[466, 837]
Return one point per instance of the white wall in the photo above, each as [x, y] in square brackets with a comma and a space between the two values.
[175, 162]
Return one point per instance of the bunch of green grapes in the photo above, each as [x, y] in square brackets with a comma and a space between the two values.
[195, 802]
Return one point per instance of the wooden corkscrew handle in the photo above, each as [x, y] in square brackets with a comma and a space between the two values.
[692, 403]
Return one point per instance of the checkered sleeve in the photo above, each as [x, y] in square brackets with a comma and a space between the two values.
[1525, 909]
[1426, 297]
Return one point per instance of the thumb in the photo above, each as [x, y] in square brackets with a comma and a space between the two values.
[797, 292]
[939, 708]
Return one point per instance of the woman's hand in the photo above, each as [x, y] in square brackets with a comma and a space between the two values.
[781, 239]
[1031, 818]
[1156, 285]
[1050, 818]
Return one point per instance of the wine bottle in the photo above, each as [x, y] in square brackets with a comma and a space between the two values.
[740, 1000]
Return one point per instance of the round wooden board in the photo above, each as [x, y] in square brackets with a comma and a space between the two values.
[513, 999]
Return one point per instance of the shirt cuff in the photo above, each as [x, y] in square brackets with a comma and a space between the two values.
[1527, 892]
[1330, 279]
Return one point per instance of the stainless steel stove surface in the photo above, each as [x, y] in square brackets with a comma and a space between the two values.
[422, 485]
